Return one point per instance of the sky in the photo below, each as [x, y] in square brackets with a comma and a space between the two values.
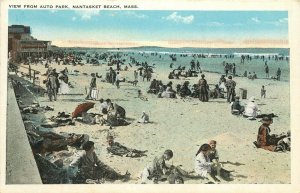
[109, 28]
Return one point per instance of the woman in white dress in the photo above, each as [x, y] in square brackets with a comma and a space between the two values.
[203, 165]
[63, 84]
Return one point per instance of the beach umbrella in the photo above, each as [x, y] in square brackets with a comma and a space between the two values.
[84, 107]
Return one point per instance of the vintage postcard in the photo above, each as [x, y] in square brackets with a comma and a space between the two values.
[114, 95]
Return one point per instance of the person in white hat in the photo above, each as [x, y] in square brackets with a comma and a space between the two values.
[251, 109]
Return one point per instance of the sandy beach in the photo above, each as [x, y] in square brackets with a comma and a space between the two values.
[181, 125]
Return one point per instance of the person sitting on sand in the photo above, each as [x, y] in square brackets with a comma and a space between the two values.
[144, 118]
[184, 90]
[116, 148]
[103, 105]
[214, 157]
[216, 92]
[154, 87]
[169, 92]
[141, 96]
[264, 139]
[222, 80]
[116, 109]
[195, 91]
[158, 170]
[250, 76]
[90, 167]
[236, 107]
[203, 165]
[251, 109]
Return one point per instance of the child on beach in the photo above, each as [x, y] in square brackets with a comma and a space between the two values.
[158, 170]
[203, 165]
[263, 92]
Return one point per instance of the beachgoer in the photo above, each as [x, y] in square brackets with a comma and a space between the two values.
[203, 89]
[214, 157]
[135, 73]
[263, 92]
[144, 118]
[236, 107]
[263, 136]
[92, 86]
[116, 148]
[184, 90]
[233, 69]
[116, 109]
[266, 70]
[52, 86]
[222, 80]
[251, 109]
[213, 154]
[198, 66]
[226, 69]
[90, 167]
[230, 85]
[203, 165]
[158, 170]
[278, 74]
[216, 92]
[117, 80]
[63, 82]
[103, 105]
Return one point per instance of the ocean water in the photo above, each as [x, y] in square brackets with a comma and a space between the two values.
[211, 64]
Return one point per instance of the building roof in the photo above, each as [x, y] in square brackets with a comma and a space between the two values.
[19, 29]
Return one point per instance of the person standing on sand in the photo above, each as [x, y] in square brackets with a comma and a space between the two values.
[266, 70]
[203, 89]
[263, 92]
[198, 66]
[92, 86]
[278, 74]
[226, 69]
[135, 73]
[118, 80]
[230, 85]
[52, 86]
[233, 69]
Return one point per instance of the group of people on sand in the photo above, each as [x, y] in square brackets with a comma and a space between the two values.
[56, 83]
[163, 91]
[111, 114]
[228, 67]
[207, 166]
[114, 77]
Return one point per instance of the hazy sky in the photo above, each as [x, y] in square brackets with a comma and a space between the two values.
[160, 28]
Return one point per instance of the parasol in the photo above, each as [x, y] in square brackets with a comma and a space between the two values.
[84, 107]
